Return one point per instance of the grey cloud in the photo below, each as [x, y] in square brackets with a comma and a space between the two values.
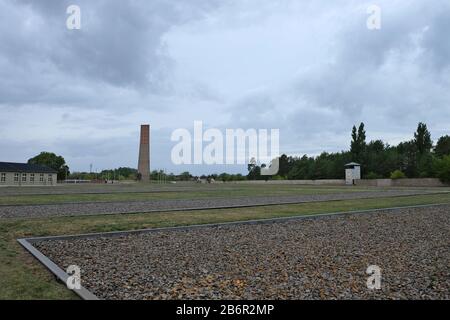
[437, 48]
[119, 45]
[377, 72]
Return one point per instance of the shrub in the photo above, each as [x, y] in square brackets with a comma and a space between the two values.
[373, 175]
[397, 174]
[424, 174]
[442, 167]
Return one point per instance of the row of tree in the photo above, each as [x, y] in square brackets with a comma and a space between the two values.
[125, 173]
[187, 176]
[58, 163]
[122, 173]
[416, 158]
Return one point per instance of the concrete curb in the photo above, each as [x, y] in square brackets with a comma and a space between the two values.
[57, 271]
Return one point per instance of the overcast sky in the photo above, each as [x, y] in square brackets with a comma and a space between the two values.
[309, 68]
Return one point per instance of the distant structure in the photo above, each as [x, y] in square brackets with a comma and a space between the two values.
[24, 174]
[352, 172]
[144, 153]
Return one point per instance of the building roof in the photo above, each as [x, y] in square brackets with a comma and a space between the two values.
[352, 164]
[24, 167]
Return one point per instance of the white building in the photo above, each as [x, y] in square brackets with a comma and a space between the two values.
[352, 172]
[24, 174]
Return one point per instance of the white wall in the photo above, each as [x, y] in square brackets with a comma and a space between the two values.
[27, 180]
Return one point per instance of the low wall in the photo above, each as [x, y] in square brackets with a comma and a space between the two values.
[299, 182]
[422, 182]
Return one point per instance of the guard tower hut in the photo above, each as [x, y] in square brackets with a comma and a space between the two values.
[352, 173]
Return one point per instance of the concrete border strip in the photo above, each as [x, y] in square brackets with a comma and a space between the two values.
[57, 271]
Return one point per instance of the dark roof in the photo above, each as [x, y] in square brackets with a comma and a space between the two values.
[352, 164]
[24, 167]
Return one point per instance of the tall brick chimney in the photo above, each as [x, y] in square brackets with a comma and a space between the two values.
[144, 153]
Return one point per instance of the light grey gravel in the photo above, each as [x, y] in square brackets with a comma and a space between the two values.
[94, 208]
[107, 188]
[309, 258]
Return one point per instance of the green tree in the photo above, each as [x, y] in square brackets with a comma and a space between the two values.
[358, 143]
[423, 145]
[373, 175]
[442, 146]
[302, 168]
[397, 174]
[254, 171]
[422, 139]
[354, 143]
[374, 158]
[225, 177]
[53, 161]
[128, 173]
[284, 166]
[442, 168]
[185, 176]
[413, 158]
[408, 158]
[323, 168]
[425, 167]
[361, 136]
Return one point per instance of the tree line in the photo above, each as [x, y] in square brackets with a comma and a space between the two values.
[415, 158]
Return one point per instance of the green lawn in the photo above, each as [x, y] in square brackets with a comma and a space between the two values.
[22, 277]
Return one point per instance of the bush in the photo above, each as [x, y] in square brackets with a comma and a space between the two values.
[373, 175]
[424, 174]
[397, 174]
[442, 167]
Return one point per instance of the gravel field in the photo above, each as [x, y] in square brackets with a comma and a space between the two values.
[63, 189]
[155, 188]
[309, 258]
[89, 208]
[101, 189]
